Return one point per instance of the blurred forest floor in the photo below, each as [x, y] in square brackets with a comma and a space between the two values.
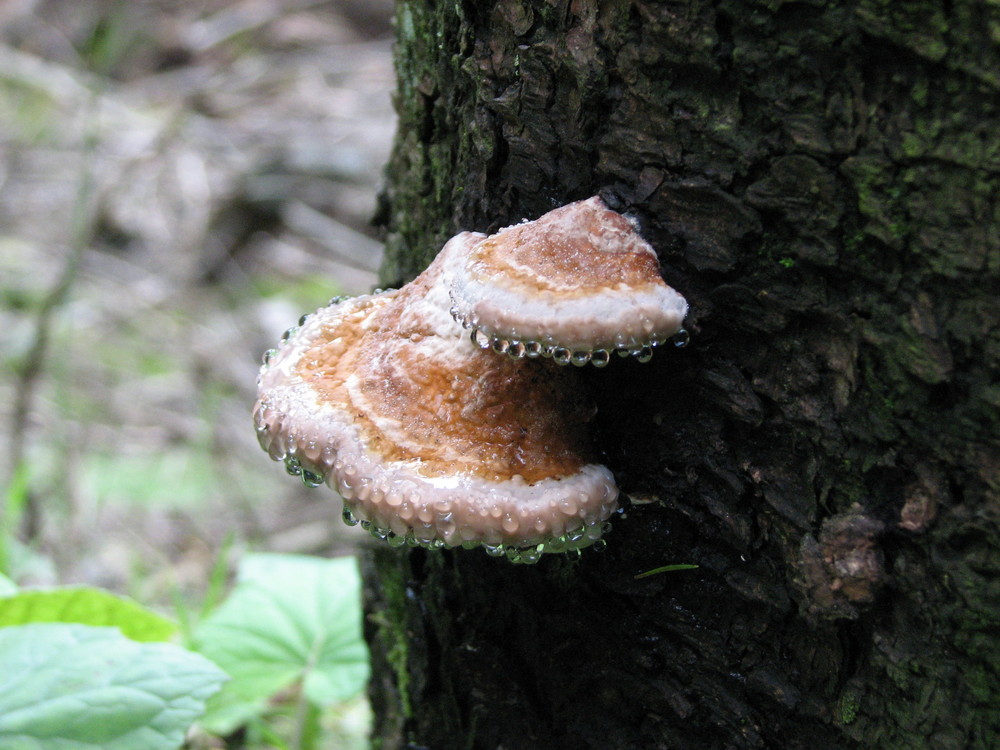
[180, 180]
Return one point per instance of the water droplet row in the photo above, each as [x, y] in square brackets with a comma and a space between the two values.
[564, 356]
[571, 542]
[516, 349]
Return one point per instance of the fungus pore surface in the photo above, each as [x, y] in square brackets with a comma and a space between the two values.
[434, 441]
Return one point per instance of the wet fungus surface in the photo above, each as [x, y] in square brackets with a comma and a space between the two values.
[577, 284]
[436, 441]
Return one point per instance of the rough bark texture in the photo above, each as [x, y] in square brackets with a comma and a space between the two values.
[820, 180]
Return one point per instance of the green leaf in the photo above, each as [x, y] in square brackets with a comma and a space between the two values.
[290, 618]
[666, 569]
[77, 687]
[86, 606]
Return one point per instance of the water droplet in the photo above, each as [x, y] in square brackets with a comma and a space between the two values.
[293, 467]
[348, 517]
[623, 353]
[311, 479]
[303, 319]
[681, 338]
[599, 544]
[494, 550]
[580, 358]
[561, 355]
[644, 354]
[395, 540]
[500, 346]
[344, 486]
[600, 358]
[268, 355]
[480, 339]
[532, 349]
[553, 545]
[516, 350]
[367, 492]
[289, 333]
[531, 555]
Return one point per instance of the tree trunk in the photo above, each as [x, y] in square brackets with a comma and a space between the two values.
[820, 180]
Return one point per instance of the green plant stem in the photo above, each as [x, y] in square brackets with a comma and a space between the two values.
[307, 728]
[29, 377]
[11, 508]
[307, 714]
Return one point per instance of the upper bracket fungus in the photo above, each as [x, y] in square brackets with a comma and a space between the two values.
[575, 284]
[432, 441]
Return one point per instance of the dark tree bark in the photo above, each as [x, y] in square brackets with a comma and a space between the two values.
[820, 180]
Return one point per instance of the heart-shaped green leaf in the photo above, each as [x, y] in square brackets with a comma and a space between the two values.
[290, 618]
[77, 687]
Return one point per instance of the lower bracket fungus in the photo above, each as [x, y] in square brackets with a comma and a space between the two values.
[431, 440]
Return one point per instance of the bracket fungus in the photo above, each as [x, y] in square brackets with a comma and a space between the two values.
[431, 440]
[575, 284]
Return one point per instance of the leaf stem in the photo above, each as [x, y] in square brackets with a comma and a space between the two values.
[306, 713]
[29, 377]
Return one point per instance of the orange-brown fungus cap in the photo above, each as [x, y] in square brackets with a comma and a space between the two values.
[428, 439]
[577, 283]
